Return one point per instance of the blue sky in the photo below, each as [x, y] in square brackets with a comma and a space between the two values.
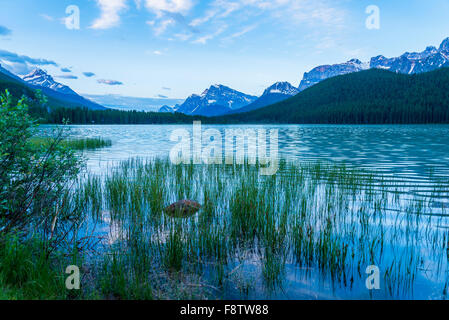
[173, 48]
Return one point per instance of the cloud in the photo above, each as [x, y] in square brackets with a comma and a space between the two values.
[182, 21]
[88, 74]
[67, 76]
[47, 17]
[220, 9]
[169, 13]
[199, 21]
[162, 96]
[161, 27]
[166, 19]
[5, 31]
[173, 6]
[183, 36]
[110, 82]
[14, 57]
[204, 39]
[241, 33]
[166, 88]
[317, 13]
[66, 70]
[157, 52]
[21, 64]
[322, 15]
[138, 4]
[110, 13]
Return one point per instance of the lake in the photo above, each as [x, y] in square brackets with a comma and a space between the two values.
[407, 151]
[374, 217]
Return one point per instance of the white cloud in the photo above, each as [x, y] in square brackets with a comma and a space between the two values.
[178, 6]
[220, 9]
[324, 17]
[317, 13]
[204, 39]
[242, 32]
[110, 82]
[209, 15]
[47, 17]
[110, 13]
[161, 27]
[322, 12]
[183, 36]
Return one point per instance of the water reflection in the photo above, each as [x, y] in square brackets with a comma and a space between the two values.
[407, 151]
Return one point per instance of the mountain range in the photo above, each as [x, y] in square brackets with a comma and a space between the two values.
[430, 59]
[59, 95]
[374, 96]
[277, 92]
[220, 100]
[215, 101]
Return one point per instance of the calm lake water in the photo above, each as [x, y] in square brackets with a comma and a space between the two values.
[407, 151]
[408, 154]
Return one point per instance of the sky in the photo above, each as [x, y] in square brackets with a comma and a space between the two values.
[174, 48]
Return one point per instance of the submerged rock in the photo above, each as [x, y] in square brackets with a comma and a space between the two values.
[182, 209]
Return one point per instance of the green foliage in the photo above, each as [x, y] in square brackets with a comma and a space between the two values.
[88, 116]
[117, 281]
[33, 180]
[75, 144]
[26, 273]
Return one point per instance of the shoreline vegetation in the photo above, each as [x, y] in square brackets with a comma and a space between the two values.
[78, 144]
[323, 222]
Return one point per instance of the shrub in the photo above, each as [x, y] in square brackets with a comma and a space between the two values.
[34, 181]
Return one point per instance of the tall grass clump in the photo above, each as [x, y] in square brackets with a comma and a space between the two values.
[27, 273]
[80, 144]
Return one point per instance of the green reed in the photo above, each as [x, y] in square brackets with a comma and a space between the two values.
[80, 144]
[329, 220]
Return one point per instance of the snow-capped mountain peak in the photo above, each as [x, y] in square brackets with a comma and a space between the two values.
[321, 73]
[166, 109]
[408, 63]
[284, 88]
[216, 100]
[40, 78]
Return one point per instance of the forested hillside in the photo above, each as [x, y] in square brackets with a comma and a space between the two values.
[366, 97]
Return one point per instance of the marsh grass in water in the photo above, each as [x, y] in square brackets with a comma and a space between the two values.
[326, 222]
[79, 144]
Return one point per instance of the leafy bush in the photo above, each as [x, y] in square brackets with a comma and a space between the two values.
[35, 181]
